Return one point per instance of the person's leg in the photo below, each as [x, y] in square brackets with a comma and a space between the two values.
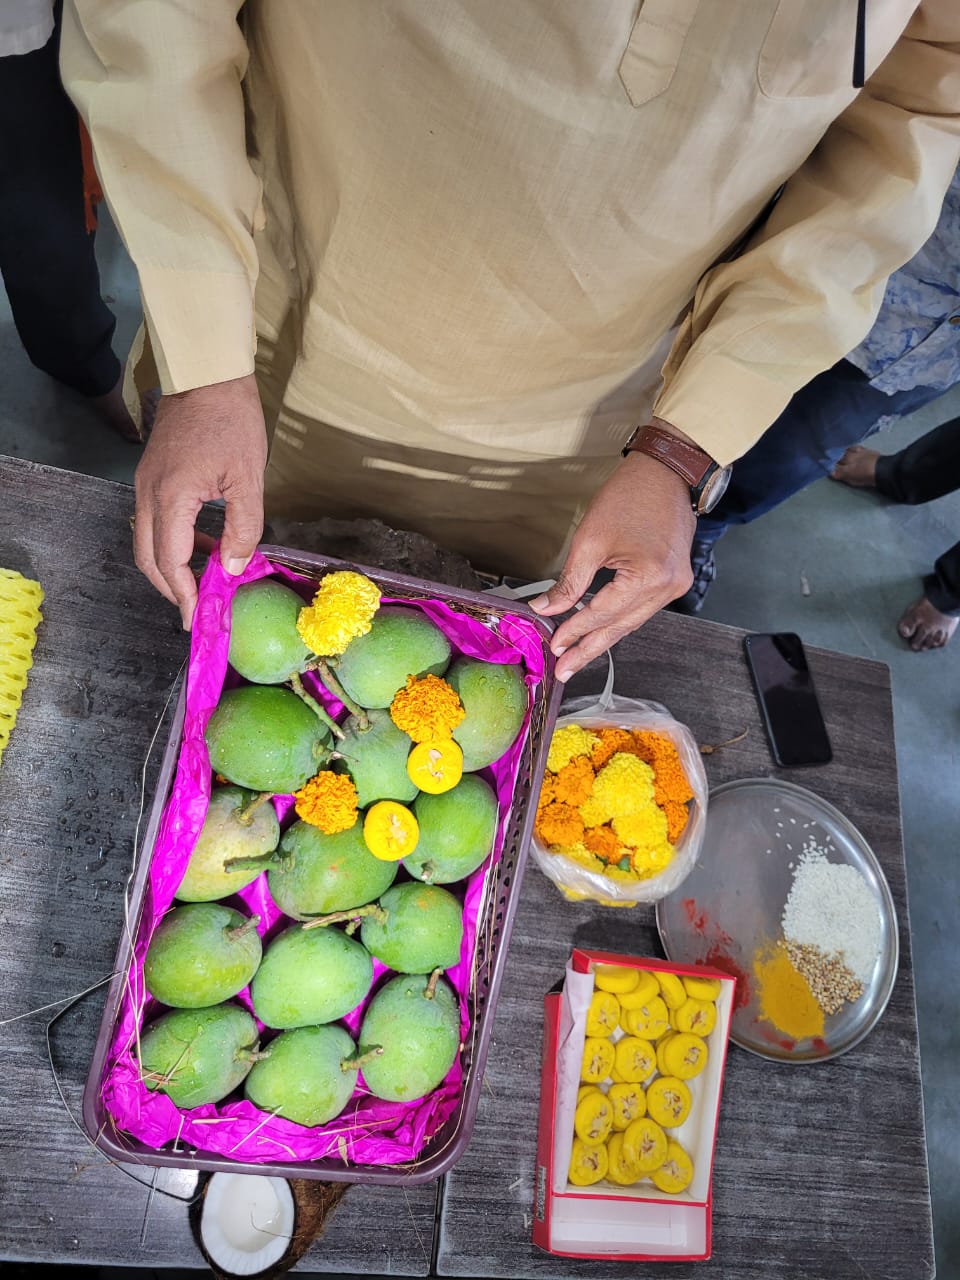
[929, 622]
[920, 472]
[47, 257]
[801, 446]
[927, 469]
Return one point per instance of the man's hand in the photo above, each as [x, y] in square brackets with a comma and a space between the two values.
[640, 524]
[206, 444]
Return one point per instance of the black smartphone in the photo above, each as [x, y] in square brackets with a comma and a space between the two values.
[788, 700]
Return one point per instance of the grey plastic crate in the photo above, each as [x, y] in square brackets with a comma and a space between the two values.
[493, 932]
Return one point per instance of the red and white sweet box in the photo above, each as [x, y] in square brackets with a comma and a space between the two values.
[637, 1223]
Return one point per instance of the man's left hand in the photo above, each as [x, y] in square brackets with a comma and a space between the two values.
[641, 525]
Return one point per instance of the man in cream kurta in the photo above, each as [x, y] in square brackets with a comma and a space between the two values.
[448, 245]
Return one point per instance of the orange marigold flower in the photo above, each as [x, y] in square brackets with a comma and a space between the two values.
[574, 782]
[603, 842]
[677, 815]
[609, 742]
[327, 801]
[559, 824]
[670, 781]
[426, 708]
[548, 790]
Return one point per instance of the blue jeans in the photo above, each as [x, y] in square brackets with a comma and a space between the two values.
[838, 408]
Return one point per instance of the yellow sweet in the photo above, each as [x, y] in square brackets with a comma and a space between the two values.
[647, 986]
[634, 1059]
[603, 1014]
[593, 1118]
[628, 1102]
[617, 978]
[698, 1016]
[588, 1164]
[672, 989]
[668, 1101]
[676, 1172]
[684, 1055]
[622, 1165]
[598, 1058]
[702, 988]
[588, 1088]
[650, 1020]
[646, 1143]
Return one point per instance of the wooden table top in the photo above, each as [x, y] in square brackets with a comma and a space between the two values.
[812, 1162]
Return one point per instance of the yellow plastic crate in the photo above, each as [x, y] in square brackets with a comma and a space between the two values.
[20, 601]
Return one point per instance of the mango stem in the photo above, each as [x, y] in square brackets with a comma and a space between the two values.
[245, 816]
[338, 691]
[241, 930]
[354, 915]
[430, 990]
[296, 684]
[363, 1055]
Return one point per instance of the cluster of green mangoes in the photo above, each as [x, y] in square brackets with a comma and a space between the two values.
[289, 1051]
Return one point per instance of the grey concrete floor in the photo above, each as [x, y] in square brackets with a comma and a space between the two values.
[836, 565]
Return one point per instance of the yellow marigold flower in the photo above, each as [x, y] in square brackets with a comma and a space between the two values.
[569, 741]
[341, 610]
[327, 801]
[643, 829]
[583, 857]
[624, 785]
[650, 862]
[593, 813]
[428, 708]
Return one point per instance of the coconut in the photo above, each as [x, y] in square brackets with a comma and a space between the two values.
[251, 1225]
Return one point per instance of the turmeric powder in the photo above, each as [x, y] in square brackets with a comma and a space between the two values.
[784, 994]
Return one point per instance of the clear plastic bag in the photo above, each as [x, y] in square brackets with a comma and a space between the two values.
[579, 882]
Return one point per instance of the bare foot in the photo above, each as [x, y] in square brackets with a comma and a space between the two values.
[924, 627]
[857, 467]
[116, 415]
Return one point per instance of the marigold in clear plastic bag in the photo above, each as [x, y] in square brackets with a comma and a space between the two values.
[623, 805]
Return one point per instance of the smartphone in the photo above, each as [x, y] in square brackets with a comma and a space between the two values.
[788, 700]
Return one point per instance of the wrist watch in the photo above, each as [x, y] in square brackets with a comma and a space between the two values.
[706, 478]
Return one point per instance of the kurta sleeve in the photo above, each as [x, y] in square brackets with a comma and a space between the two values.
[808, 286]
[158, 84]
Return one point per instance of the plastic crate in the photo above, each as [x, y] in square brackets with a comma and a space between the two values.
[501, 885]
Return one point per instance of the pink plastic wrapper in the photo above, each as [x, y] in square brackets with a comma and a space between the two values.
[369, 1131]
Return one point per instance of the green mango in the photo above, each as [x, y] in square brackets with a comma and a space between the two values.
[376, 759]
[225, 835]
[302, 1075]
[200, 954]
[457, 830]
[308, 976]
[419, 928]
[198, 1056]
[266, 738]
[318, 873]
[495, 698]
[401, 642]
[418, 1035]
[265, 646]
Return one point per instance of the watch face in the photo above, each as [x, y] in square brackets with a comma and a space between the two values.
[714, 487]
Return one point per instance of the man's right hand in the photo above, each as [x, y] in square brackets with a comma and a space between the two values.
[206, 444]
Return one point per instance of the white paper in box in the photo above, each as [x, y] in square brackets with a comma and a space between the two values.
[638, 1223]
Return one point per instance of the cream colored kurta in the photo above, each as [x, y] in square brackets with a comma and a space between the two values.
[464, 231]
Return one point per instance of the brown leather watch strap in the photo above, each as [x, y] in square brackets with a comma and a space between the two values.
[686, 459]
